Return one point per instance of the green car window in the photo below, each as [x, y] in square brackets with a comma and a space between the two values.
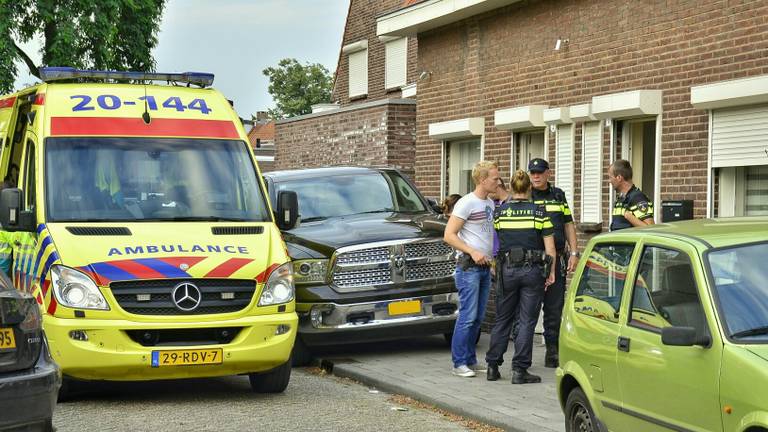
[739, 274]
[665, 293]
[602, 283]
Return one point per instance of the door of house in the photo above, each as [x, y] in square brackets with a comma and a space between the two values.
[462, 157]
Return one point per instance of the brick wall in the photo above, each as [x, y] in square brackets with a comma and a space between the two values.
[505, 58]
[382, 134]
[361, 24]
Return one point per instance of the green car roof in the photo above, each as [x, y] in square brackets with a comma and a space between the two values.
[718, 232]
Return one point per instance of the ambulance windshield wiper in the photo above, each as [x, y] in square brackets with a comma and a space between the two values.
[202, 219]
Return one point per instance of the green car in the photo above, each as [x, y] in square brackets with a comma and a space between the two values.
[666, 328]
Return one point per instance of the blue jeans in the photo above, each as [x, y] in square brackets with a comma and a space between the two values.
[474, 286]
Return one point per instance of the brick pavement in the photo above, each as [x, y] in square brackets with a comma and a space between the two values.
[421, 369]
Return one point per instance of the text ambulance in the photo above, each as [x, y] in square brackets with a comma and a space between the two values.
[137, 217]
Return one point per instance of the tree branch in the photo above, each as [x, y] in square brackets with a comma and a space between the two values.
[30, 64]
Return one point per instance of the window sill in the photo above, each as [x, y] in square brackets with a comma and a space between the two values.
[358, 97]
[590, 227]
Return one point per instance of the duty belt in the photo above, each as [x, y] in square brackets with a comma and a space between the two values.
[521, 256]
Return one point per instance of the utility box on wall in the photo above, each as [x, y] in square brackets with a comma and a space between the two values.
[672, 211]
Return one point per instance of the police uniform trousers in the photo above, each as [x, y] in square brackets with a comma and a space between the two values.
[519, 295]
[554, 298]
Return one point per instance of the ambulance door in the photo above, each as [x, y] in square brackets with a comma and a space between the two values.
[25, 243]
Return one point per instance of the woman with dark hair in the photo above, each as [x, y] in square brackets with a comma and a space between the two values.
[448, 203]
[526, 245]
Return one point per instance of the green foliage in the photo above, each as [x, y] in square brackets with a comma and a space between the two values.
[103, 34]
[295, 87]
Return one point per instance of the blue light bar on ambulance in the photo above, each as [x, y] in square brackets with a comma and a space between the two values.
[48, 74]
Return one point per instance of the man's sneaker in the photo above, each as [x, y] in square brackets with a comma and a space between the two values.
[464, 371]
[521, 376]
[477, 367]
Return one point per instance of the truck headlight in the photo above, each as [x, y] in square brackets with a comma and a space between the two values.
[310, 270]
[279, 287]
[75, 289]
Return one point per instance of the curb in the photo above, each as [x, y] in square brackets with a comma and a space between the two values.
[485, 417]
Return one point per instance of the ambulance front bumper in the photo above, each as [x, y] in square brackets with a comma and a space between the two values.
[109, 353]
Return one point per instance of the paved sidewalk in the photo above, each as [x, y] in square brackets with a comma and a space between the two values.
[421, 369]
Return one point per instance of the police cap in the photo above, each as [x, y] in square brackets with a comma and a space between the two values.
[538, 165]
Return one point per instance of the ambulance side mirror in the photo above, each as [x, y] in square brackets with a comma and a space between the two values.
[12, 218]
[287, 210]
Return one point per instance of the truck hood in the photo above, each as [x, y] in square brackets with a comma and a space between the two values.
[324, 237]
[166, 250]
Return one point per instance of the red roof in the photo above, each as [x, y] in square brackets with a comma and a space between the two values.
[264, 131]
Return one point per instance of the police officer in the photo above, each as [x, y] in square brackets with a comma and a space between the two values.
[556, 204]
[524, 272]
[632, 207]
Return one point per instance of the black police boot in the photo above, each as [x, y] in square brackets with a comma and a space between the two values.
[493, 372]
[521, 376]
[551, 358]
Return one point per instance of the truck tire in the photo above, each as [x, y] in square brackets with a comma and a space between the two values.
[301, 354]
[274, 381]
[579, 416]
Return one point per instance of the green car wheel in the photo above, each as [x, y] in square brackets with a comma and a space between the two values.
[580, 417]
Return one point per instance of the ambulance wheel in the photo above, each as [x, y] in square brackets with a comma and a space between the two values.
[69, 389]
[301, 355]
[274, 381]
[579, 414]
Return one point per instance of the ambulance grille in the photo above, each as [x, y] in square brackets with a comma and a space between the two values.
[237, 230]
[153, 297]
[99, 231]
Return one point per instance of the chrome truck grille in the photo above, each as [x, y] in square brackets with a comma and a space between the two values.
[365, 267]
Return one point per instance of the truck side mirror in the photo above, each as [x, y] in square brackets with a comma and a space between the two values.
[287, 210]
[434, 205]
[683, 336]
[12, 218]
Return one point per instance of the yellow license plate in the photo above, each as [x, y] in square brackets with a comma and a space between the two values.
[187, 357]
[7, 340]
[404, 307]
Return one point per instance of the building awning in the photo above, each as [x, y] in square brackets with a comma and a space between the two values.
[581, 113]
[745, 91]
[463, 128]
[431, 14]
[520, 118]
[557, 116]
[636, 103]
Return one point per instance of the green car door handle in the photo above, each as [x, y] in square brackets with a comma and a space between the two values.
[623, 344]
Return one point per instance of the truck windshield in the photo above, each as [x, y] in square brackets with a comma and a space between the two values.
[324, 197]
[739, 274]
[151, 179]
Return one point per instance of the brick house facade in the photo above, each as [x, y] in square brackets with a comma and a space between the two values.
[372, 121]
[673, 86]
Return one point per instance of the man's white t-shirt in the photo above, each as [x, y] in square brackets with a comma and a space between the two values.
[477, 213]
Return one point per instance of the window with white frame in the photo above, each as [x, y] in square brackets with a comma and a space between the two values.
[591, 173]
[396, 63]
[463, 155]
[358, 73]
[564, 160]
[531, 146]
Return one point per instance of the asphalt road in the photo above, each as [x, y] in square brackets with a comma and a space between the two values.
[311, 402]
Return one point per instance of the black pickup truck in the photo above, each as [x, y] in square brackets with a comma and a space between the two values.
[369, 258]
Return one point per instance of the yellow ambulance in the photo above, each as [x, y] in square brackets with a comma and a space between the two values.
[136, 215]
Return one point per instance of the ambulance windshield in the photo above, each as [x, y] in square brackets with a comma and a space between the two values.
[151, 179]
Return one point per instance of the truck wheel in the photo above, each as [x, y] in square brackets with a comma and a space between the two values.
[579, 416]
[301, 354]
[274, 381]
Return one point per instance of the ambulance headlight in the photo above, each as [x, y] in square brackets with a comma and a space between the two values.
[279, 287]
[75, 289]
[310, 270]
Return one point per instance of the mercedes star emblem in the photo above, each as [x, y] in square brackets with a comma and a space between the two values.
[186, 296]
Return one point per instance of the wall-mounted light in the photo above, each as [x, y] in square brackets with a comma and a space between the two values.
[552, 128]
[425, 75]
